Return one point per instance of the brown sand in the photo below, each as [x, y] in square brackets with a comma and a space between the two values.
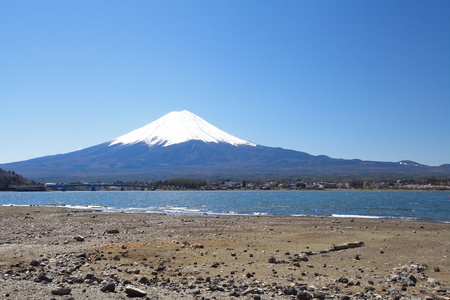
[220, 256]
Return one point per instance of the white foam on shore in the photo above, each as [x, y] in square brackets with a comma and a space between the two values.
[260, 214]
[176, 210]
[96, 207]
[358, 216]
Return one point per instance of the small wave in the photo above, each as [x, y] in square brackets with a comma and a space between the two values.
[153, 212]
[357, 216]
[96, 207]
[181, 210]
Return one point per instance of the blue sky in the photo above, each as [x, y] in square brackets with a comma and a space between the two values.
[348, 79]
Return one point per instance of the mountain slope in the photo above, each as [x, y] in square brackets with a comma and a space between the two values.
[181, 144]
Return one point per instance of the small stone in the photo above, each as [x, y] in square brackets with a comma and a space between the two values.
[160, 268]
[422, 267]
[304, 296]
[76, 279]
[144, 280]
[432, 281]
[436, 269]
[61, 291]
[9, 272]
[234, 293]
[290, 290]
[78, 238]
[47, 277]
[393, 290]
[195, 292]
[303, 257]
[412, 278]
[34, 263]
[394, 277]
[248, 291]
[133, 291]
[272, 260]
[368, 288]
[357, 257]
[112, 231]
[343, 280]
[109, 286]
[80, 255]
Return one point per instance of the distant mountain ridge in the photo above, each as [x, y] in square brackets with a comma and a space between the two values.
[181, 144]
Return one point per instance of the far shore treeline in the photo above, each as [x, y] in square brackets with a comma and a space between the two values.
[11, 181]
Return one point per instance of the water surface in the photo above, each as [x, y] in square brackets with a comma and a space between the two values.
[415, 205]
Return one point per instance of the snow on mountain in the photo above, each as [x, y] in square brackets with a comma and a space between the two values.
[178, 127]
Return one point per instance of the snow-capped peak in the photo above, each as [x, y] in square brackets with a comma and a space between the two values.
[178, 127]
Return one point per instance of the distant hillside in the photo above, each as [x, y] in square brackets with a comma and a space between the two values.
[9, 179]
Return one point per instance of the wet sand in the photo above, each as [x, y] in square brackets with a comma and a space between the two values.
[218, 257]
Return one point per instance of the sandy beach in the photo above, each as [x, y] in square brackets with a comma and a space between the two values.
[63, 253]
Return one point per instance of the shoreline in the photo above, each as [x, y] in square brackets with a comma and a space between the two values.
[400, 189]
[221, 256]
[137, 210]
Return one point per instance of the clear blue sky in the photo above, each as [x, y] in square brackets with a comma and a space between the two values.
[348, 79]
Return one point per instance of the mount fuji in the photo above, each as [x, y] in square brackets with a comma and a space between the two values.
[181, 144]
[178, 127]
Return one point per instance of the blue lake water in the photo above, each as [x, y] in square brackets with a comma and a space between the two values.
[414, 205]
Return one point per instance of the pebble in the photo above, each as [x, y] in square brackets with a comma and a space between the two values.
[34, 263]
[433, 281]
[109, 286]
[78, 238]
[61, 291]
[46, 277]
[248, 291]
[304, 296]
[272, 260]
[133, 291]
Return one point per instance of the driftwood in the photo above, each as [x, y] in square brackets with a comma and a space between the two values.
[303, 256]
[346, 246]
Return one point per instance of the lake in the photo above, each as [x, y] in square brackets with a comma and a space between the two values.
[413, 205]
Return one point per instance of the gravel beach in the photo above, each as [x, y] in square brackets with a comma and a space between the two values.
[64, 253]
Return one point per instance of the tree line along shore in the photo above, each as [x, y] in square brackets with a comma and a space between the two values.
[11, 181]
